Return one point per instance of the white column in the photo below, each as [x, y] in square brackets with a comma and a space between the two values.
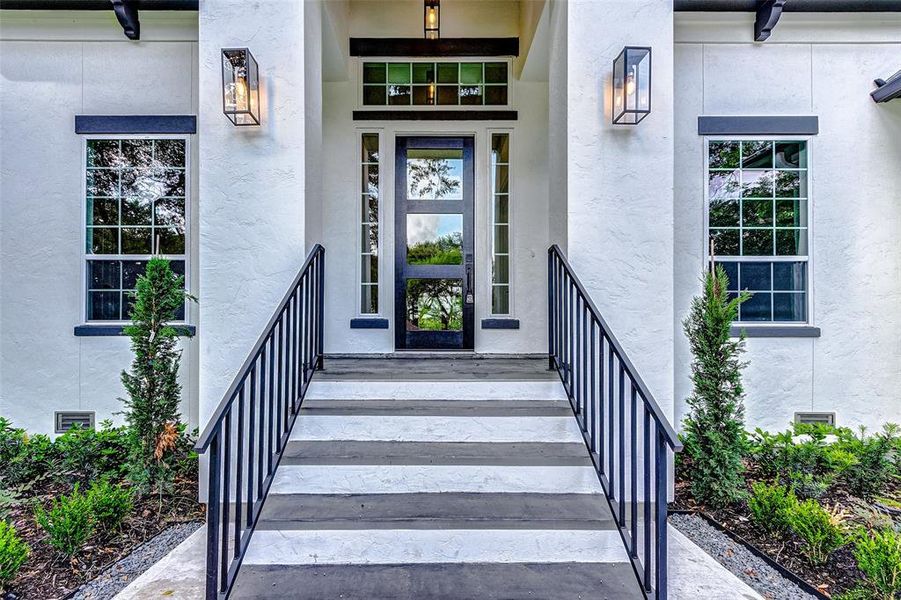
[252, 183]
[620, 181]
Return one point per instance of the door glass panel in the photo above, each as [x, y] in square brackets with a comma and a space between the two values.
[434, 305]
[435, 174]
[434, 239]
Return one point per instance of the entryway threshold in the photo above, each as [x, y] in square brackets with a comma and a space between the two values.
[437, 354]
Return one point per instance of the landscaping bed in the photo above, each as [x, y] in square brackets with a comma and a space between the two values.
[811, 468]
[39, 473]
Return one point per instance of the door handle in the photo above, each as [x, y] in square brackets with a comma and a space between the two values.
[470, 297]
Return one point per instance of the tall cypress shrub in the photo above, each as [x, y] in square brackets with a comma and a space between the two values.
[714, 428]
[154, 392]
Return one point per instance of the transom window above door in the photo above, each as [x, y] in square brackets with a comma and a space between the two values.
[442, 83]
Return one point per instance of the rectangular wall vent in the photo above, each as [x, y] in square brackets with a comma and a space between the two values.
[67, 420]
[813, 418]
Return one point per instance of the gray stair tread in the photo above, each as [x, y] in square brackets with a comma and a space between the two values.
[485, 408]
[460, 368]
[341, 452]
[436, 511]
[440, 581]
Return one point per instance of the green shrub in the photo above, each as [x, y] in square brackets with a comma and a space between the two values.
[86, 454]
[109, 504]
[714, 436]
[13, 554]
[875, 460]
[769, 506]
[821, 531]
[878, 555]
[26, 459]
[69, 522]
[859, 592]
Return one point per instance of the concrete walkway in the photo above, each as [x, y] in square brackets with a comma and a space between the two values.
[693, 574]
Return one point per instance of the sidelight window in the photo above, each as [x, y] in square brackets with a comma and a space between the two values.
[136, 207]
[369, 228]
[758, 219]
[500, 223]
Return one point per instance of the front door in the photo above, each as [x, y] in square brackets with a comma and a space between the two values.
[434, 287]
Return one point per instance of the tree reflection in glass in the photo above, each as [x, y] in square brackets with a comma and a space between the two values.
[435, 174]
[434, 239]
[434, 305]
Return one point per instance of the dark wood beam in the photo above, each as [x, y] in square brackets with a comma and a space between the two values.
[439, 47]
[435, 115]
[127, 14]
[792, 6]
[887, 90]
[768, 13]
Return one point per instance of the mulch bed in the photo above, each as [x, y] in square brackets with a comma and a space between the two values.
[838, 574]
[49, 575]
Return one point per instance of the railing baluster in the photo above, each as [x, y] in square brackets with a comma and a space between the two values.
[593, 413]
[622, 441]
[320, 310]
[280, 384]
[585, 368]
[633, 470]
[602, 449]
[239, 472]
[550, 311]
[251, 446]
[611, 474]
[226, 497]
[647, 501]
[271, 412]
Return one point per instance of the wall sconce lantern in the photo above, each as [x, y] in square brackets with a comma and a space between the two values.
[240, 87]
[432, 17]
[631, 85]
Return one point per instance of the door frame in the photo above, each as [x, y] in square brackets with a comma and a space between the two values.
[466, 271]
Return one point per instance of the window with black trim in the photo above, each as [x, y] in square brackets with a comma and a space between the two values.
[435, 83]
[500, 223]
[369, 228]
[136, 208]
[758, 215]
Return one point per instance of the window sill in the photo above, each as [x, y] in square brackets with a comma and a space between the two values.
[504, 323]
[98, 330]
[369, 323]
[787, 331]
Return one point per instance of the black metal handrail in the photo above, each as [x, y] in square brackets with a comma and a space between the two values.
[579, 340]
[247, 433]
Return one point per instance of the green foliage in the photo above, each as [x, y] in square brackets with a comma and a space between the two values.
[86, 454]
[13, 554]
[821, 531]
[713, 430]
[25, 458]
[802, 458]
[770, 506]
[110, 504]
[878, 555]
[446, 250]
[153, 389]
[874, 463]
[69, 522]
[860, 592]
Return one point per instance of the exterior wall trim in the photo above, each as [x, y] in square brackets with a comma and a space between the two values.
[440, 47]
[119, 330]
[764, 331]
[129, 124]
[369, 323]
[500, 323]
[769, 125]
[435, 115]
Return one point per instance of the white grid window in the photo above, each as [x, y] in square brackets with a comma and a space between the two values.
[136, 207]
[500, 223]
[369, 230]
[758, 224]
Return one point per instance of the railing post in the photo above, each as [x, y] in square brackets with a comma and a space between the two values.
[212, 523]
[550, 309]
[320, 308]
[661, 485]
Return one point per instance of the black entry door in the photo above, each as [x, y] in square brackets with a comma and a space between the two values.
[433, 250]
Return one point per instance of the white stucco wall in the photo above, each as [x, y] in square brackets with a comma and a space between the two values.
[812, 65]
[53, 66]
[620, 182]
[252, 182]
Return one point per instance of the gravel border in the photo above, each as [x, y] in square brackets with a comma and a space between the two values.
[743, 563]
[115, 578]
